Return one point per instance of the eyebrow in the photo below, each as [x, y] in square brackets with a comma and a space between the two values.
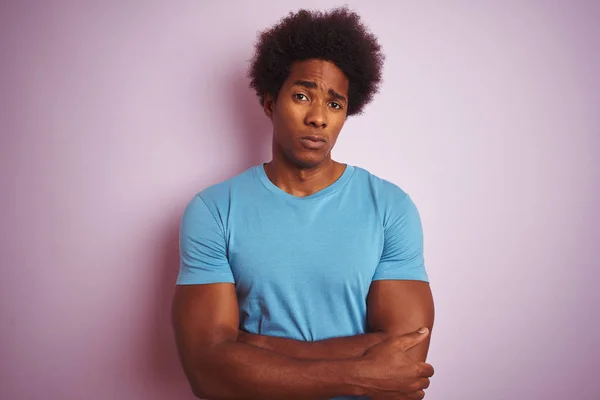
[313, 85]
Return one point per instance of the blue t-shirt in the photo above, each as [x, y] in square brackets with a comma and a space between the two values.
[302, 266]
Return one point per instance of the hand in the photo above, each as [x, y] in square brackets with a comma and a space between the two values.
[390, 373]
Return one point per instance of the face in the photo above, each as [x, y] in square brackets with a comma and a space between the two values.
[309, 112]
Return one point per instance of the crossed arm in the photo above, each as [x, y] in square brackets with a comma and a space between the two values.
[222, 362]
[394, 308]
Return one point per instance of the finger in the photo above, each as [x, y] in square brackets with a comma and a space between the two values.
[420, 384]
[412, 339]
[418, 395]
[427, 370]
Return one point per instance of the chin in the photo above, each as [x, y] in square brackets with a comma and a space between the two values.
[304, 160]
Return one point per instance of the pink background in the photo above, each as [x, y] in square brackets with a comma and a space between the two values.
[114, 114]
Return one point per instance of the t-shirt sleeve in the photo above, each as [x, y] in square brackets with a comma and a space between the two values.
[202, 247]
[402, 256]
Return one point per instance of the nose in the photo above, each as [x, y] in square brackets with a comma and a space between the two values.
[316, 117]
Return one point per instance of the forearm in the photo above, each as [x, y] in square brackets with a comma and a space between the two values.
[234, 370]
[330, 349]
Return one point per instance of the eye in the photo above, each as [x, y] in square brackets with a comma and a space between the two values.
[336, 105]
[300, 96]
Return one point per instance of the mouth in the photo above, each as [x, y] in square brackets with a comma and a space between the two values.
[313, 142]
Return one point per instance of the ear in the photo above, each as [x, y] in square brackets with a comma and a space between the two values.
[268, 105]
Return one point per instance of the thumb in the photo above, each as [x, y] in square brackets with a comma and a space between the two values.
[410, 340]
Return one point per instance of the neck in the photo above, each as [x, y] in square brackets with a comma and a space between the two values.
[299, 181]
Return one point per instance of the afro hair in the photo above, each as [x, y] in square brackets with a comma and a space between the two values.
[337, 36]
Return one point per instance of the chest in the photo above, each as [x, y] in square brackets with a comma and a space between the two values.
[286, 251]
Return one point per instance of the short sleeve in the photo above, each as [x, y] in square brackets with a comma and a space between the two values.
[402, 256]
[202, 247]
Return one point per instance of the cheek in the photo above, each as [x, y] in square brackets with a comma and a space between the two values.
[295, 114]
[287, 119]
[282, 126]
[338, 124]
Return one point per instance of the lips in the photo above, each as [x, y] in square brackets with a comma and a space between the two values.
[313, 142]
[314, 138]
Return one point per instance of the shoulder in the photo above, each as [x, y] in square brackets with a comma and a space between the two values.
[398, 214]
[217, 197]
[220, 193]
[388, 195]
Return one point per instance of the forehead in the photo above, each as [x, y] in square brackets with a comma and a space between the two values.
[324, 73]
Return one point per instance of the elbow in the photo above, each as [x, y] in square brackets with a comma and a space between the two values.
[199, 389]
[201, 393]
[209, 380]
[213, 390]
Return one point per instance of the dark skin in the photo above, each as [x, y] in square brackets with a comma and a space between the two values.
[222, 362]
[311, 102]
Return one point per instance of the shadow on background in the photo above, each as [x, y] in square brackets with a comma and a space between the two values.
[252, 131]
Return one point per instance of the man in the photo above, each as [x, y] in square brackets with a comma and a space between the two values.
[303, 278]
